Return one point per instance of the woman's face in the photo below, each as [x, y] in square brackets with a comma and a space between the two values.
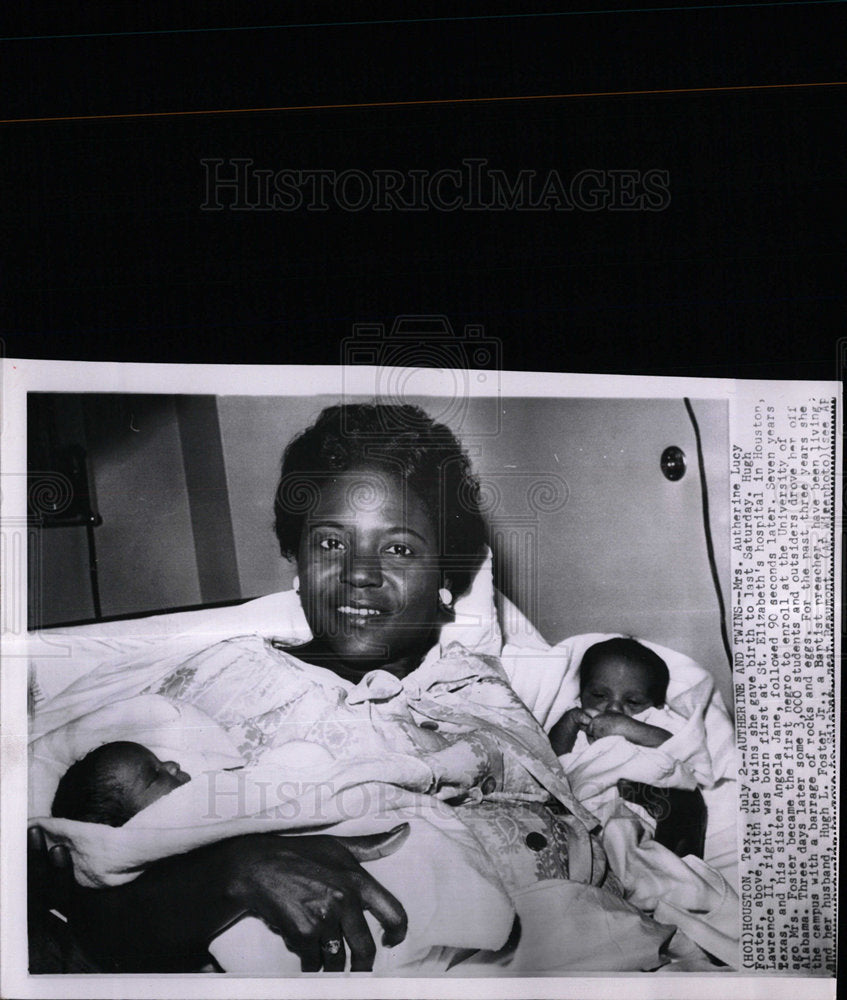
[369, 574]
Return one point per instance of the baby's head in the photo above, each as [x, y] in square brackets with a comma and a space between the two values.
[114, 782]
[621, 675]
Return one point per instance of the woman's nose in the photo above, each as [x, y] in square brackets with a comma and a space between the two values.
[362, 571]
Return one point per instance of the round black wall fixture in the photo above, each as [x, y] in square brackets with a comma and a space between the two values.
[673, 463]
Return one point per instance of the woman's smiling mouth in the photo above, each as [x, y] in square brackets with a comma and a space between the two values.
[363, 612]
[361, 617]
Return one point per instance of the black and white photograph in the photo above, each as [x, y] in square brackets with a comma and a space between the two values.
[388, 682]
[396, 674]
[421, 498]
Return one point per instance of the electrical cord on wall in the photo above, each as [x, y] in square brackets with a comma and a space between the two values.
[91, 521]
[707, 528]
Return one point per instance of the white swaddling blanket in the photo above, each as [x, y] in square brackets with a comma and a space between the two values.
[696, 896]
[547, 679]
[457, 900]
[541, 677]
[683, 761]
[454, 900]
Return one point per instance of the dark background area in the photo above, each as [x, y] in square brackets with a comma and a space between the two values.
[109, 256]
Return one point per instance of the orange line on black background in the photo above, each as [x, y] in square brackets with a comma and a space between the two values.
[424, 102]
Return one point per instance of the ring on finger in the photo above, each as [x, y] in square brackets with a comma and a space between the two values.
[332, 947]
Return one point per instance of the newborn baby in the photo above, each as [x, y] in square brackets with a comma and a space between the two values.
[618, 679]
[114, 782]
[118, 780]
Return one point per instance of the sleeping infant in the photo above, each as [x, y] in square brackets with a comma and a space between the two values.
[455, 902]
[121, 781]
[114, 782]
[641, 762]
[622, 691]
[455, 898]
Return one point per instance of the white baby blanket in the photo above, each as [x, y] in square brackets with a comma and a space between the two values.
[687, 892]
[456, 899]
[594, 769]
[546, 680]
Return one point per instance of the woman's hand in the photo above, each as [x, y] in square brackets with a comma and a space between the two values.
[313, 892]
[311, 889]
[617, 724]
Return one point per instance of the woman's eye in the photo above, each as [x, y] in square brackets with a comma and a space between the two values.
[399, 549]
[332, 544]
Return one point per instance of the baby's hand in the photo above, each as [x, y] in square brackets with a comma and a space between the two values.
[563, 734]
[616, 724]
[609, 724]
[578, 717]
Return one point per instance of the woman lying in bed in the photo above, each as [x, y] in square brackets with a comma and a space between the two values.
[379, 509]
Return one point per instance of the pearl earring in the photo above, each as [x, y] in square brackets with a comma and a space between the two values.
[445, 597]
[295, 583]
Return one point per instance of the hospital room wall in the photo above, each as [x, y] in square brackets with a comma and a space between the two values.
[590, 534]
[144, 545]
[625, 550]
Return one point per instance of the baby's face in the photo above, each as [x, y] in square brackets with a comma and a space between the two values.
[143, 777]
[616, 685]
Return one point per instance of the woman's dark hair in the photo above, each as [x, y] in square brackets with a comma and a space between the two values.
[634, 652]
[89, 791]
[403, 441]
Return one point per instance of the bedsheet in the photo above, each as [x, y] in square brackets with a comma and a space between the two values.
[545, 678]
[454, 899]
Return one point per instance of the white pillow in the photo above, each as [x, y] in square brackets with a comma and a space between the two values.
[59, 657]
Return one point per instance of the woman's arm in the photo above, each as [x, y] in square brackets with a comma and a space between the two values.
[309, 889]
[163, 920]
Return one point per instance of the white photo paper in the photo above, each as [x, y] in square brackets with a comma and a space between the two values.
[697, 518]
